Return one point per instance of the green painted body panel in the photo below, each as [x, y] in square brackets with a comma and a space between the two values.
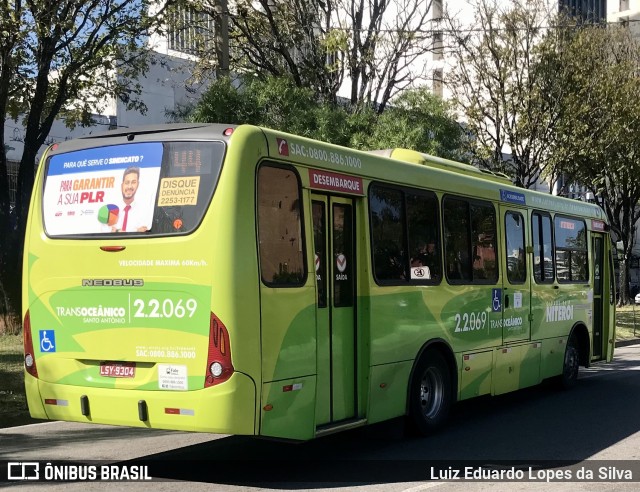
[80, 347]
[552, 354]
[516, 366]
[555, 311]
[288, 333]
[323, 355]
[388, 389]
[34, 401]
[475, 378]
[342, 357]
[291, 413]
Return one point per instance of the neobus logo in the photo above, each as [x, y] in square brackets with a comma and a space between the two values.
[112, 282]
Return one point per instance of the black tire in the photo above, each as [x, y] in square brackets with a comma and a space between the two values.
[571, 364]
[430, 394]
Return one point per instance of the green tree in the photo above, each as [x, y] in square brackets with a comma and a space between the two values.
[380, 45]
[275, 103]
[416, 119]
[595, 86]
[497, 83]
[61, 59]
[421, 121]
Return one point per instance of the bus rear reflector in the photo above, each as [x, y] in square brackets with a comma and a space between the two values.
[29, 353]
[219, 367]
[112, 249]
[179, 411]
[54, 401]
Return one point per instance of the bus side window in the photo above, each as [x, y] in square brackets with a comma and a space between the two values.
[543, 268]
[387, 232]
[483, 234]
[279, 227]
[470, 241]
[571, 250]
[424, 240]
[514, 234]
[457, 243]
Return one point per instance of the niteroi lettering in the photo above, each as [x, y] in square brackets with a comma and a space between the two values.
[559, 312]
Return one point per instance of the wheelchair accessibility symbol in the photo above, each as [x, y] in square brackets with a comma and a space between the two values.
[47, 340]
[496, 302]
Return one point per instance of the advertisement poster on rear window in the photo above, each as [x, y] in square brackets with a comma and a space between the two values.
[102, 190]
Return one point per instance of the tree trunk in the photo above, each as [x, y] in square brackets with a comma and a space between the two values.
[221, 34]
[624, 297]
[26, 177]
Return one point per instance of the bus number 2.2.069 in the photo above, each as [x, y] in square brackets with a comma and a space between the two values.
[167, 308]
[471, 321]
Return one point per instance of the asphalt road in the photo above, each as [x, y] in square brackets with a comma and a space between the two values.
[539, 430]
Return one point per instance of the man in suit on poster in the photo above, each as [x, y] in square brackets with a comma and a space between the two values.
[134, 216]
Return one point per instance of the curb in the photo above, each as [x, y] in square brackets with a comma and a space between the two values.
[626, 343]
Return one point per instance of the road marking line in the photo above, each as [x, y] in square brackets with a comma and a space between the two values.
[423, 486]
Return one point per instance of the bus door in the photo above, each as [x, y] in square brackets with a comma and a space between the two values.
[598, 293]
[516, 280]
[333, 234]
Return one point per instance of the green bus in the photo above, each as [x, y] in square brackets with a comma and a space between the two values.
[240, 280]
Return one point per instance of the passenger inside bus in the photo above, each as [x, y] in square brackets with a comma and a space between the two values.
[423, 261]
[419, 271]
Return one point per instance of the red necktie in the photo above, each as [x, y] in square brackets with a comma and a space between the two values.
[126, 216]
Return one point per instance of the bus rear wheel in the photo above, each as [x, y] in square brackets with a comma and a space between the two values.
[431, 396]
[571, 364]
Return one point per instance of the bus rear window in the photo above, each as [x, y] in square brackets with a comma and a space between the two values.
[138, 189]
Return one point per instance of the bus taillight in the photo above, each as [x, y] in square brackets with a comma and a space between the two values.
[219, 366]
[29, 353]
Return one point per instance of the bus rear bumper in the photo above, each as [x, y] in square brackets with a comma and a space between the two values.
[228, 408]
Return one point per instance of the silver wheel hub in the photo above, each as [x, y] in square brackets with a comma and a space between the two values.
[431, 393]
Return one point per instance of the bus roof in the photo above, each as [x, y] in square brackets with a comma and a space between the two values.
[415, 157]
[414, 169]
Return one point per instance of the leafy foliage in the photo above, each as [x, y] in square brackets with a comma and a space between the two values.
[416, 119]
[372, 50]
[421, 121]
[596, 139]
[498, 84]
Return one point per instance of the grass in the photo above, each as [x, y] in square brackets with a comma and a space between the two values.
[627, 322]
[13, 404]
